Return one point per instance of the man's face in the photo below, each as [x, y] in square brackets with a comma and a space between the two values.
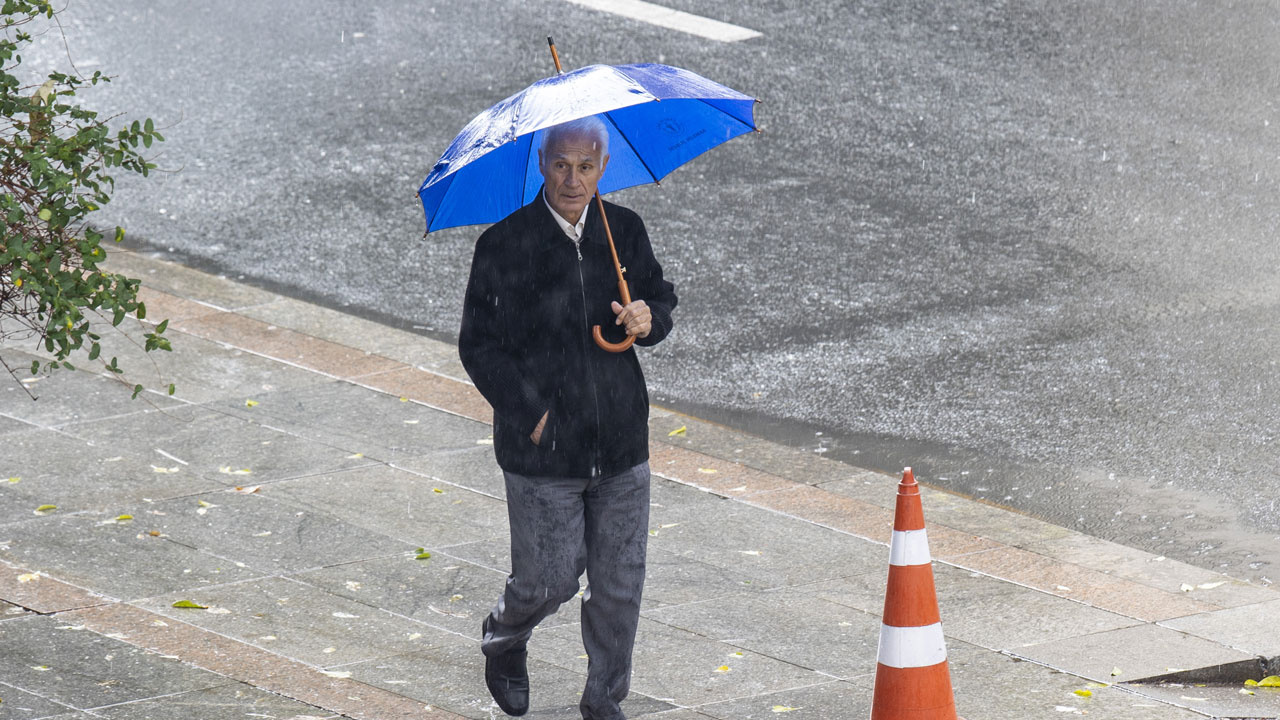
[571, 167]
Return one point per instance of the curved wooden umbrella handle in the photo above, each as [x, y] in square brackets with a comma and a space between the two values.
[622, 290]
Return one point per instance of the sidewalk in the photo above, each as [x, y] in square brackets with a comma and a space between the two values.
[308, 455]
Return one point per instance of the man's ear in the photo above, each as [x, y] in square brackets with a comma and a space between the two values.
[604, 164]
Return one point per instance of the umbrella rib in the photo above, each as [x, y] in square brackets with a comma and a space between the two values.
[634, 149]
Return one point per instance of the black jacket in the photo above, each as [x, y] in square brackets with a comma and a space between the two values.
[526, 341]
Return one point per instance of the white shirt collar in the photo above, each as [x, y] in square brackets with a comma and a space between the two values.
[573, 232]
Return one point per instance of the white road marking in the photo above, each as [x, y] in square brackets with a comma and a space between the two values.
[673, 19]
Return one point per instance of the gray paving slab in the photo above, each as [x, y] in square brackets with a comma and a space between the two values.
[217, 290]
[473, 468]
[266, 534]
[996, 686]
[399, 504]
[122, 560]
[9, 611]
[994, 615]
[367, 335]
[821, 701]
[1139, 651]
[441, 591]
[1250, 628]
[42, 467]
[672, 579]
[376, 424]
[802, 629]
[82, 669]
[298, 621]
[452, 678]
[677, 714]
[74, 396]
[772, 549]
[681, 667]
[226, 449]
[16, 704]
[10, 425]
[1154, 570]
[233, 701]
[1218, 701]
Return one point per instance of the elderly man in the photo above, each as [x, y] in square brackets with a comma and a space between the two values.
[570, 419]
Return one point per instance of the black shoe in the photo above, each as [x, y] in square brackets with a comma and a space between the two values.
[508, 679]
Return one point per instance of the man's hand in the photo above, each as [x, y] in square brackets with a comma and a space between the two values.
[636, 317]
[536, 435]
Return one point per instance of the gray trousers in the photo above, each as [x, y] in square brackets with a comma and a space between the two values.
[559, 528]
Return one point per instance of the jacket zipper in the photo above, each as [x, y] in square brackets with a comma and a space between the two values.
[586, 356]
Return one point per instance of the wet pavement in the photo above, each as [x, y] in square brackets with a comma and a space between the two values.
[308, 457]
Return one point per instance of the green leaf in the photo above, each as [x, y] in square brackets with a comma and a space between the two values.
[149, 126]
[162, 326]
[190, 605]
[45, 214]
[171, 388]
[93, 352]
[119, 233]
[136, 389]
[46, 508]
[142, 311]
[422, 554]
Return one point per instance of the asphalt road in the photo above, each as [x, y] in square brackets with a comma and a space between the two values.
[1027, 247]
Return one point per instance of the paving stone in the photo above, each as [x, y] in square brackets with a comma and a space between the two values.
[801, 629]
[376, 424]
[1139, 651]
[680, 667]
[201, 370]
[120, 560]
[215, 446]
[473, 468]
[232, 701]
[975, 609]
[83, 669]
[995, 686]
[16, 704]
[1251, 628]
[442, 591]
[1218, 701]
[10, 425]
[672, 579]
[74, 474]
[452, 678]
[399, 504]
[77, 395]
[216, 290]
[267, 534]
[821, 701]
[37, 592]
[677, 714]
[9, 611]
[298, 621]
[1154, 571]
[769, 548]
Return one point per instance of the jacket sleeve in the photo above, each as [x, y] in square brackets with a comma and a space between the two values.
[645, 274]
[487, 344]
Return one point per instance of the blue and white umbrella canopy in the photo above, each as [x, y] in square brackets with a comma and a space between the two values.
[658, 117]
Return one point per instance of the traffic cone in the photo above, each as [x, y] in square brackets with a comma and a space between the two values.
[912, 678]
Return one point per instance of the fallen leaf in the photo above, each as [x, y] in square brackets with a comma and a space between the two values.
[1187, 588]
[250, 403]
[1083, 693]
[735, 654]
[164, 470]
[1270, 681]
[455, 598]
[722, 669]
[40, 668]
[678, 431]
[1115, 672]
[1247, 692]
[784, 708]
[190, 605]
[29, 577]
[205, 504]
[247, 490]
[154, 533]
[1211, 585]
[355, 456]
[404, 399]
[226, 470]
[708, 471]
[410, 422]
[438, 491]
[340, 674]
[15, 480]
[422, 555]
[353, 585]
[330, 650]
[750, 552]
[414, 636]
[44, 509]
[265, 533]
[123, 518]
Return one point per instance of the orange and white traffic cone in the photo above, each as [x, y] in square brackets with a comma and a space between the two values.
[912, 678]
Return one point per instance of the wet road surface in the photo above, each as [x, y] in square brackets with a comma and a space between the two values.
[1028, 248]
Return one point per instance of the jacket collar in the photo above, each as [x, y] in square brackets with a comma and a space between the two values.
[539, 218]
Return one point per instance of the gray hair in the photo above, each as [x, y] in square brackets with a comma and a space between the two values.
[590, 126]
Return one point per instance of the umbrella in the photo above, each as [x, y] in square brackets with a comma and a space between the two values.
[658, 117]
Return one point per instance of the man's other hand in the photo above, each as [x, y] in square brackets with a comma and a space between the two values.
[636, 317]
[536, 435]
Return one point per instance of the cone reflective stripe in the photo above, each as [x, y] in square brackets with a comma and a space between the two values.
[912, 678]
